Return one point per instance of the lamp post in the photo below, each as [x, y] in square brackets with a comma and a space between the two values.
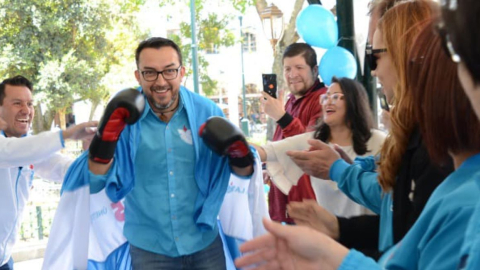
[272, 21]
[194, 46]
[244, 121]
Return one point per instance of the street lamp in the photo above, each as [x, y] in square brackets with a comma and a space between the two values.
[272, 21]
[244, 121]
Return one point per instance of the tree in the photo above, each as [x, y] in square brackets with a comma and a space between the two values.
[66, 47]
[212, 34]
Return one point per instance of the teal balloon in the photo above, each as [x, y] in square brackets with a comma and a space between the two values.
[337, 62]
[317, 26]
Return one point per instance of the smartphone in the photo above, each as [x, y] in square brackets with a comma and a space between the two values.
[383, 101]
[270, 84]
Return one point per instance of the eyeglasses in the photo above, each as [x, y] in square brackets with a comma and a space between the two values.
[371, 56]
[167, 74]
[333, 98]
[447, 43]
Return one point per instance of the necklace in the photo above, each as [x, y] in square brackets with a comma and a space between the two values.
[162, 115]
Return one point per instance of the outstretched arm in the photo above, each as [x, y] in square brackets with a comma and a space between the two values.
[16, 152]
[291, 247]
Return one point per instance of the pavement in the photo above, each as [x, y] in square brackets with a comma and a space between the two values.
[29, 255]
[35, 264]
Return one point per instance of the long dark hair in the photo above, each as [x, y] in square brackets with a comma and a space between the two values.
[358, 117]
[445, 115]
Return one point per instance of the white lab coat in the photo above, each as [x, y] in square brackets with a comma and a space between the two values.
[20, 159]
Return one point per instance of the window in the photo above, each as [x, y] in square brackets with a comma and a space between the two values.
[249, 42]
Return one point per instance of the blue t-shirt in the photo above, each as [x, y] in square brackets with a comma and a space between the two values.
[435, 240]
[360, 183]
[469, 255]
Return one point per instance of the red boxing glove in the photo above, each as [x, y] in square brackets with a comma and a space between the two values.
[224, 138]
[124, 108]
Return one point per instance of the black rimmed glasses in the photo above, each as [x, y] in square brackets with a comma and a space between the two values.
[168, 74]
[371, 56]
[447, 43]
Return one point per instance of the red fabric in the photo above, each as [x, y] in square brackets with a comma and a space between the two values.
[305, 111]
[115, 125]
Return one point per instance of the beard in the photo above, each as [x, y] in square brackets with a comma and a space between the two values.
[163, 107]
[160, 106]
[298, 92]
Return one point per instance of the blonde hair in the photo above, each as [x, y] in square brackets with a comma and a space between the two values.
[399, 28]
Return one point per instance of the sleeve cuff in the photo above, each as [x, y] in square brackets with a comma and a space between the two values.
[337, 169]
[367, 163]
[356, 260]
[285, 120]
[62, 140]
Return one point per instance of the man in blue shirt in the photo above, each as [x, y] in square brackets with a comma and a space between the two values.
[172, 182]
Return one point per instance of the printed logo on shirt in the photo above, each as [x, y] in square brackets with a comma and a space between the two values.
[235, 188]
[119, 210]
[186, 135]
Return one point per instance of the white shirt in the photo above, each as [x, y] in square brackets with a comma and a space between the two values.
[285, 173]
[20, 158]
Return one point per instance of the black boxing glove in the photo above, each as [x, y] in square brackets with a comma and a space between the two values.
[224, 138]
[124, 108]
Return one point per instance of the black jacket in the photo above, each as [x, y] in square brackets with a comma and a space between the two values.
[416, 180]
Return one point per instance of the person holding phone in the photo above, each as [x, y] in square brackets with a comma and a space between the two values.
[347, 122]
[404, 171]
[451, 131]
[299, 115]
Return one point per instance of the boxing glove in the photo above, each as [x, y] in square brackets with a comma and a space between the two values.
[224, 138]
[124, 108]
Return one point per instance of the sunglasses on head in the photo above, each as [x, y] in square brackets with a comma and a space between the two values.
[446, 43]
[371, 56]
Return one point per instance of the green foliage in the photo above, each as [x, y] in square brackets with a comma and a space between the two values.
[66, 47]
[212, 34]
[241, 5]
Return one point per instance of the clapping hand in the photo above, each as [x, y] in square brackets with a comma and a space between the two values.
[291, 247]
[317, 160]
[309, 213]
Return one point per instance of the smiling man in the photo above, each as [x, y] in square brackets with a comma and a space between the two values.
[179, 183]
[22, 158]
[300, 114]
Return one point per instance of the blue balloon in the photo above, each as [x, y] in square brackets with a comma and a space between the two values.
[317, 26]
[337, 62]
